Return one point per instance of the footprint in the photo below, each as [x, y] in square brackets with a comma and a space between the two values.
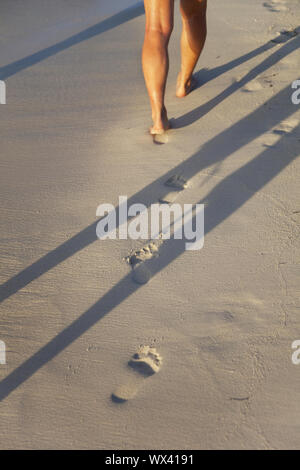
[286, 127]
[144, 363]
[254, 85]
[144, 254]
[177, 182]
[270, 139]
[160, 139]
[285, 35]
[141, 274]
[276, 5]
[138, 261]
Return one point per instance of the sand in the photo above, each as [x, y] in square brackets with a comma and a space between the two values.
[223, 319]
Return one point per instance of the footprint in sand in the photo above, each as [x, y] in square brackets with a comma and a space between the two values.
[144, 363]
[143, 254]
[160, 139]
[178, 183]
[261, 83]
[269, 140]
[137, 260]
[254, 85]
[276, 5]
[285, 35]
[286, 127]
[163, 138]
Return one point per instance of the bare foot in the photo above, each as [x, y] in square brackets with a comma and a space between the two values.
[160, 123]
[183, 87]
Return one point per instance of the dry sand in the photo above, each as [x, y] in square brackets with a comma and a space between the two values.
[73, 135]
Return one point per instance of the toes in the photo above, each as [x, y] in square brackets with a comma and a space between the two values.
[146, 360]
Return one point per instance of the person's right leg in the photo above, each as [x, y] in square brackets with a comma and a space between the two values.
[192, 41]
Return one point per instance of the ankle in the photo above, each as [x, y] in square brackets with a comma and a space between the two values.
[158, 112]
[184, 77]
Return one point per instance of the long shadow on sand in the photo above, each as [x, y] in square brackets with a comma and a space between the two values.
[205, 75]
[99, 28]
[255, 175]
[277, 56]
[254, 125]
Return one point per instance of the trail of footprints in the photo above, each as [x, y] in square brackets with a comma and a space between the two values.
[267, 80]
[138, 259]
[146, 361]
[281, 37]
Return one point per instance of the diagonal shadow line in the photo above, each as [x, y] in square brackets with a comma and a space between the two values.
[99, 28]
[259, 171]
[205, 75]
[253, 125]
[195, 114]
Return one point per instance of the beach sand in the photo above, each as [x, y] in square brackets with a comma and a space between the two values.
[222, 319]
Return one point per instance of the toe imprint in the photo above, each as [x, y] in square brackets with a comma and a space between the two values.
[177, 182]
[161, 139]
[146, 360]
[144, 254]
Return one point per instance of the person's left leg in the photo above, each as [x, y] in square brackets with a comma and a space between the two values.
[155, 59]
